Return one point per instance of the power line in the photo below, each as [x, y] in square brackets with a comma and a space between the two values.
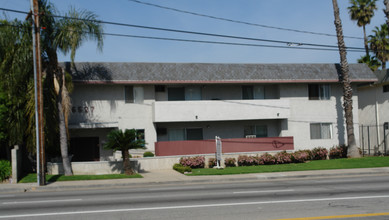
[194, 33]
[239, 22]
[215, 42]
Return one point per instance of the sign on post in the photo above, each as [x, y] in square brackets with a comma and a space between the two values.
[218, 151]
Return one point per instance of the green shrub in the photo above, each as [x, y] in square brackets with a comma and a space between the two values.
[193, 162]
[319, 153]
[5, 170]
[181, 168]
[212, 162]
[337, 152]
[148, 154]
[230, 162]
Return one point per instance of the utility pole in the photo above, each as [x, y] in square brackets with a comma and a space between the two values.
[40, 150]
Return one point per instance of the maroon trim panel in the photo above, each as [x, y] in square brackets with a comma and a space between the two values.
[236, 145]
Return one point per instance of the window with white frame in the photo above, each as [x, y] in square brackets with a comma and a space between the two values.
[321, 130]
[133, 94]
[319, 92]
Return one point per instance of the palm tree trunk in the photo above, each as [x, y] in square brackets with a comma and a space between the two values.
[365, 41]
[352, 150]
[63, 134]
[126, 163]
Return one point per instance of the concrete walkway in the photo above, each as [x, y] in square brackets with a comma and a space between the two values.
[160, 177]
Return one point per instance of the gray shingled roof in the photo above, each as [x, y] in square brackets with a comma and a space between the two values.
[107, 72]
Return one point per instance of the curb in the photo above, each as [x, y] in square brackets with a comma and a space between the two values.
[30, 187]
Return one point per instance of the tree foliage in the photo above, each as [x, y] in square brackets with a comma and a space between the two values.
[362, 11]
[119, 140]
[379, 43]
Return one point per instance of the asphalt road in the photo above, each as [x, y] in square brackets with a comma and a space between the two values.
[282, 199]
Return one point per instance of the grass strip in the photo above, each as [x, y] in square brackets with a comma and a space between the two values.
[32, 177]
[365, 162]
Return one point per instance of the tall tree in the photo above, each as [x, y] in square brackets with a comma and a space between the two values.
[386, 11]
[371, 61]
[352, 150]
[362, 11]
[379, 43]
[124, 141]
[66, 34]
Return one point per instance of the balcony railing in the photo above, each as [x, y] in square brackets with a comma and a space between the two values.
[220, 110]
[235, 145]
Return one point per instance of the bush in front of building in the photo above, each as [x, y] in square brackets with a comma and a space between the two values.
[301, 156]
[283, 157]
[337, 152]
[244, 160]
[148, 154]
[266, 159]
[193, 162]
[212, 162]
[319, 153]
[5, 170]
[230, 162]
[182, 169]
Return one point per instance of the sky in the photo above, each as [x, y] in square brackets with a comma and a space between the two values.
[304, 15]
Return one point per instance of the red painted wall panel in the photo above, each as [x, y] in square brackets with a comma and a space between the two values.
[170, 148]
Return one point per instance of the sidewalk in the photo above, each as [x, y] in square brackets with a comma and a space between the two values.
[163, 177]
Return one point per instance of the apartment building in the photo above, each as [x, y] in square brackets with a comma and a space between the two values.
[177, 102]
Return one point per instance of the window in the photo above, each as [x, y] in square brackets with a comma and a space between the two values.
[253, 92]
[129, 94]
[133, 94]
[159, 88]
[385, 88]
[319, 91]
[176, 93]
[321, 130]
[184, 93]
[257, 130]
[181, 134]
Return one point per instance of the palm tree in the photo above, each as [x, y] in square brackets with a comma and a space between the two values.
[352, 150]
[67, 35]
[371, 61]
[386, 11]
[124, 141]
[362, 11]
[379, 43]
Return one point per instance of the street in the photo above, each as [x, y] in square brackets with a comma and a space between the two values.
[279, 199]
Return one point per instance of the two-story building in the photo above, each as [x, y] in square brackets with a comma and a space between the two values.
[172, 102]
[373, 114]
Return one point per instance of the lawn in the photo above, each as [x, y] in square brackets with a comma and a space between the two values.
[365, 162]
[31, 178]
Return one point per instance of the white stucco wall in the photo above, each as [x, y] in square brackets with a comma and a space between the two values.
[104, 105]
[305, 111]
[373, 113]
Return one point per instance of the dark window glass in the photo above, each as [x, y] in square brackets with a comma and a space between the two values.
[176, 94]
[247, 92]
[385, 88]
[129, 94]
[194, 134]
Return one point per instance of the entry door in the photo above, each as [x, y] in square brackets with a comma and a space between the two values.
[84, 149]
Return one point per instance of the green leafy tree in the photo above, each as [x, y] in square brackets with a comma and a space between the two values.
[16, 71]
[379, 43]
[352, 150]
[124, 141]
[362, 11]
[66, 34]
[371, 61]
